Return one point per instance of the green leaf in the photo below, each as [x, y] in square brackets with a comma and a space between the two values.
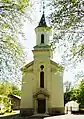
[73, 1]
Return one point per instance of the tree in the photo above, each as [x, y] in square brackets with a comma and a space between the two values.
[67, 91]
[16, 90]
[67, 86]
[81, 93]
[67, 18]
[71, 94]
[12, 14]
[7, 88]
[67, 96]
[76, 94]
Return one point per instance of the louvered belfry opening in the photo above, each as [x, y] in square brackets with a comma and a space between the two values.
[42, 38]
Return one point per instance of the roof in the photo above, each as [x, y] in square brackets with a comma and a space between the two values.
[45, 46]
[15, 96]
[27, 65]
[42, 22]
[72, 103]
[60, 67]
[54, 63]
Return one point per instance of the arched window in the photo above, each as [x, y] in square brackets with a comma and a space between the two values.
[42, 38]
[42, 67]
[42, 79]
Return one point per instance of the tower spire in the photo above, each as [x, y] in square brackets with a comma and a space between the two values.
[43, 7]
[42, 20]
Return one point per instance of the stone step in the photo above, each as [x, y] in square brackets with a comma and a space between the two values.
[39, 116]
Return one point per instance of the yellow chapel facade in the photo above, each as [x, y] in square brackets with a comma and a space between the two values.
[42, 80]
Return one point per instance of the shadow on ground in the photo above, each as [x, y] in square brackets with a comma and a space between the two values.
[67, 116]
[17, 116]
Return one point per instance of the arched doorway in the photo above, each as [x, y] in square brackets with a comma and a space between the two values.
[41, 105]
[41, 98]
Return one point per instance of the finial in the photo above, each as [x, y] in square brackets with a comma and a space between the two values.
[42, 22]
[43, 6]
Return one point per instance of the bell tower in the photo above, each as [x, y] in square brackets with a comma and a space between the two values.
[43, 37]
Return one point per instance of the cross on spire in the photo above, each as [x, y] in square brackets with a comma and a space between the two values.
[43, 6]
[42, 21]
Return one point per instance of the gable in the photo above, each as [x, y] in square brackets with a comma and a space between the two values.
[56, 67]
[27, 66]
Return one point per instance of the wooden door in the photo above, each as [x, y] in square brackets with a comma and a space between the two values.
[41, 105]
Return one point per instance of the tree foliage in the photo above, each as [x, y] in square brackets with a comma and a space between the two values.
[12, 14]
[76, 94]
[67, 13]
[67, 86]
[80, 94]
[7, 88]
[67, 17]
[16, 90]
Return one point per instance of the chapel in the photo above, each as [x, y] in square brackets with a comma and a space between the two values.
[42, 78]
